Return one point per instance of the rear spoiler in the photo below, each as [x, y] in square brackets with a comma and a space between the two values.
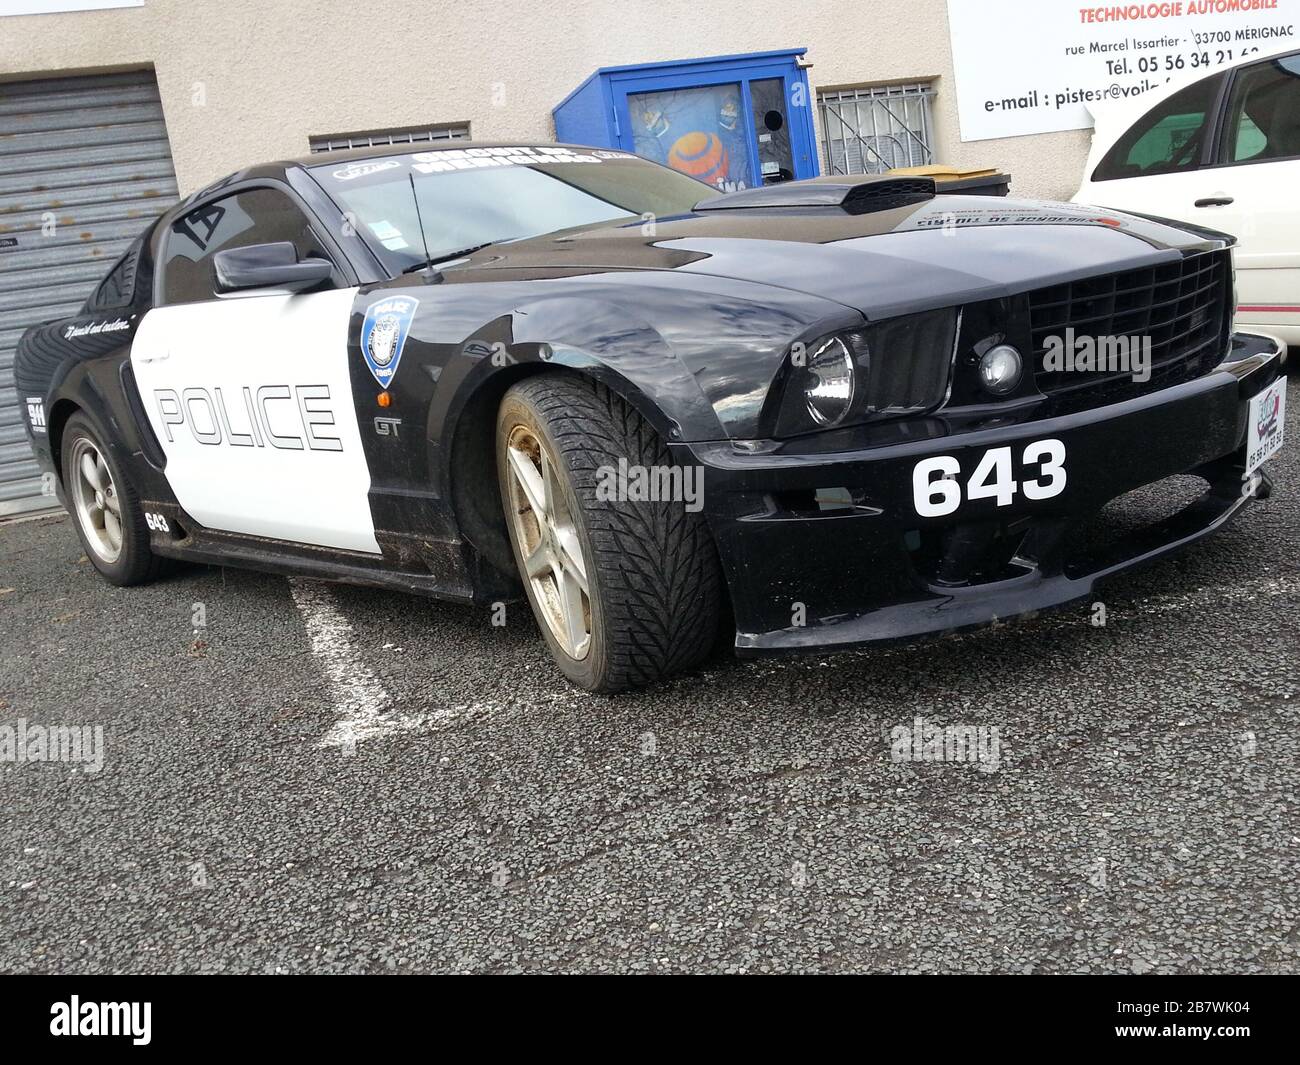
[856, 195]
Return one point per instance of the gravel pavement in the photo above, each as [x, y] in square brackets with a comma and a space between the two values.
[326, 778]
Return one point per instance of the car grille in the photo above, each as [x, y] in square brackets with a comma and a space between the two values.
[1181, 306]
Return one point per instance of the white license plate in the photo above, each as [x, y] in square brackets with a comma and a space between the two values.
[1266, 423]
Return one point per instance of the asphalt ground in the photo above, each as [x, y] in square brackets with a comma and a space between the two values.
[323, 778]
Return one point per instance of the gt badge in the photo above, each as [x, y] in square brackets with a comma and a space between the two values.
[383, 335]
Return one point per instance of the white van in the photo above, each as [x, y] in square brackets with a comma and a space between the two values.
[1223, 152]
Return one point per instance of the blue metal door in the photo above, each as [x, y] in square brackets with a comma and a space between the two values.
[734, 121]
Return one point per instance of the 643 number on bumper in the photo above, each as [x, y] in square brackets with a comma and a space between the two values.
[1036, 472]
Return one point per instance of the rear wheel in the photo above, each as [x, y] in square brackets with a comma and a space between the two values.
[105, 508]
[625, 592]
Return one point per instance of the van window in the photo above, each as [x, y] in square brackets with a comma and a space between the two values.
[1168, 138]
[1264, 112]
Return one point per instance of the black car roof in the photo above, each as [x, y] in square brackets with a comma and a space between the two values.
[277, 168]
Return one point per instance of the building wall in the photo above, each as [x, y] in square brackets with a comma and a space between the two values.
[248, 80]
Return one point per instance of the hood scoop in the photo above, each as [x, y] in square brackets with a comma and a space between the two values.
[855, 195]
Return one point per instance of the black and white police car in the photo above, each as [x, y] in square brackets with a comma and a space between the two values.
[812, 415]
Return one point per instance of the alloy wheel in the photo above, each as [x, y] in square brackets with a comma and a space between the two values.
[96, 501]
[548, 541]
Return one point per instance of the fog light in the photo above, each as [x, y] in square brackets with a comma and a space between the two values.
[1000, 369]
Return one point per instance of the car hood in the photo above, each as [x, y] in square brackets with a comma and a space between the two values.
[697, 312]
[944, 251]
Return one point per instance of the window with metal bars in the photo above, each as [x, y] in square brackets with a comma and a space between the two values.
[877, 128]
[379, 137]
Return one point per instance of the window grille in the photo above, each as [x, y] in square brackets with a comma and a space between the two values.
[874, 129]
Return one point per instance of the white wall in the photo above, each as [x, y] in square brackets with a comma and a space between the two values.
[244, 81]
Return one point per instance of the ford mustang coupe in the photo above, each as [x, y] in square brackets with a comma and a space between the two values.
[812, 415]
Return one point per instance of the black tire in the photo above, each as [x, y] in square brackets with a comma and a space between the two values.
[655, 586]
[135, 563]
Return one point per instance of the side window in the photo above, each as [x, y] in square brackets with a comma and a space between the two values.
[1264, 113]
[254, 216]
[118, 288]
[1168, 138]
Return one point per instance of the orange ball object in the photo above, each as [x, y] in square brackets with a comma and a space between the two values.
[701, 155]
[385, 399]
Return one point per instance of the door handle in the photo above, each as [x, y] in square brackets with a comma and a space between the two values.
[1214, 201]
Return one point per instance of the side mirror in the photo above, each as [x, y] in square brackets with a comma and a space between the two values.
[268, 266]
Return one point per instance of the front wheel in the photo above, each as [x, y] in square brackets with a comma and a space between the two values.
[625, 591]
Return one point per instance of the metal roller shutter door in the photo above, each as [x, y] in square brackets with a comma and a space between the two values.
[84, 165]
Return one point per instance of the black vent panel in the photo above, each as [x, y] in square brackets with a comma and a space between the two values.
[1181, 306]
[885, 195]
[856, 195]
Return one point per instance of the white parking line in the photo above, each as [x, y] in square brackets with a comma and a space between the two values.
[365, 707]
[363, 704]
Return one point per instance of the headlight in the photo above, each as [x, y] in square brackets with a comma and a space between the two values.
[828, 383]
[893, 367]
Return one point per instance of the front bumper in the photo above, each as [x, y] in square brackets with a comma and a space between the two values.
[826, 550]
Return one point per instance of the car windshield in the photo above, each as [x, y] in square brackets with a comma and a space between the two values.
[470, 197]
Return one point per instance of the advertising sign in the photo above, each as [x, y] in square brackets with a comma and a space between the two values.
[47, 7]
[1035, 66]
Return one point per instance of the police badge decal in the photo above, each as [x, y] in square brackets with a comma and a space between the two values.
[383, 335]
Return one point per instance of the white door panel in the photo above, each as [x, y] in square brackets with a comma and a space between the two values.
[1262, 216]
[252, 402]
[1165, 195]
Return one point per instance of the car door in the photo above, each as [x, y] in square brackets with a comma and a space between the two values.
[1250, 190]
[249, 393]
[1156, 165]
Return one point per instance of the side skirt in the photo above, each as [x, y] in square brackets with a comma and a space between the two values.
[184, 539]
